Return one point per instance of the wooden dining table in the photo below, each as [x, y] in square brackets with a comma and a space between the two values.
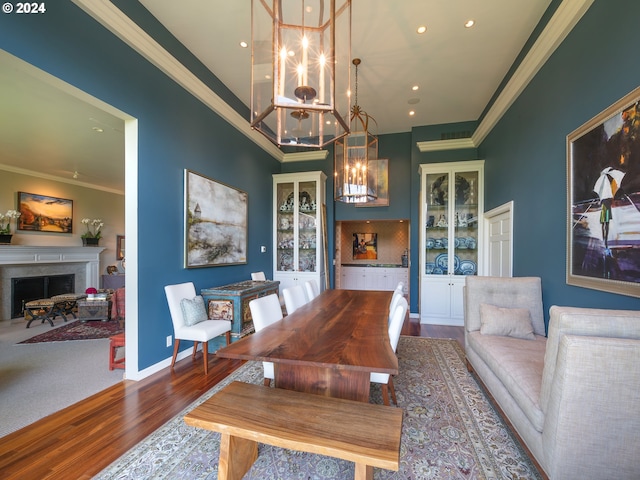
[328, 347]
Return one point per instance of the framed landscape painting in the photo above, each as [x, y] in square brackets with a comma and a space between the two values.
[603, 193]
[215, 222]
[42, 213]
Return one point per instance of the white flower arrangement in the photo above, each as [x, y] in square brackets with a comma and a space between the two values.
[5, 221]
[93, 228]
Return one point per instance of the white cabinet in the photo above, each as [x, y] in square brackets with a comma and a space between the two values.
[373, 278]
[298, 199]
[451, 209]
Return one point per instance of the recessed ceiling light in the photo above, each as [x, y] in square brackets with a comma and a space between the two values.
[412, 113]
[244, 44]
[421, 29]
[97, 129]
[469, 23]
[415, 87]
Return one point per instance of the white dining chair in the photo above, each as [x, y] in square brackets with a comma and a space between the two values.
[258, 277]
[397, 295]
[395, 327]
[312, 289]
[200, 332]
[294, 298]
[265, 311]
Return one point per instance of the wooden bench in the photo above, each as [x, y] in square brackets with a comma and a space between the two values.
[245, 414]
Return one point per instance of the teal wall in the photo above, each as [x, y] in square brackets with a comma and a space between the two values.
[175, 132]
[524, 154]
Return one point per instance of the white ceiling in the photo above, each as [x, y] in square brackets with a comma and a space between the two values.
[46, 129]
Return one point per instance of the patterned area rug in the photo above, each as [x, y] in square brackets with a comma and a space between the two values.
[450, 431]
[78, 330]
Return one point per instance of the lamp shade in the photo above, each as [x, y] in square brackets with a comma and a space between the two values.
[300, 55]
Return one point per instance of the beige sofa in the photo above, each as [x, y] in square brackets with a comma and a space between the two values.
[572, 397]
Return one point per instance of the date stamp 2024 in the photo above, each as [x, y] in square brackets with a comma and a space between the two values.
[24, 7]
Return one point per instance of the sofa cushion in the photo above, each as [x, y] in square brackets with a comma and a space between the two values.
[509, 292]
[193, 310]
[507, 322]
[583, 321]
[518, 364]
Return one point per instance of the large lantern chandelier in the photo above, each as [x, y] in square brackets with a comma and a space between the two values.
[300, 52]
[354, 182]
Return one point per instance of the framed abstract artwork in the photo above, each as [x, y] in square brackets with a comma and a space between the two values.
[603, 197]
[43, 213]
[215, 226]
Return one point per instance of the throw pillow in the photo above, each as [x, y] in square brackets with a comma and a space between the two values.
[193, 310]
[509, 322]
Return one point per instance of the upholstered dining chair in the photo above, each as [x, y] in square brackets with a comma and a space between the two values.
[294, 298]
[398, 293]
[265, 311]
[312, 289]
[190, 322]
[395, 327]
[258, 276]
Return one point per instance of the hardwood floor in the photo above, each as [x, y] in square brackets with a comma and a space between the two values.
[80, 441]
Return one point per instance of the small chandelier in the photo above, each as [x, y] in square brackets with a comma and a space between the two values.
[300, 53]
[354, 182]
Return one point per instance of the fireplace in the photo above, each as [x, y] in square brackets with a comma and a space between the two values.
[25, 289]
[26, 261]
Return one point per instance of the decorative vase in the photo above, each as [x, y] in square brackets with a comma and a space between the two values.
[90, 242]
[5, 238]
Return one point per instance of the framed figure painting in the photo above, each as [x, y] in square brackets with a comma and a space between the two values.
[215, 222]
[603, 196]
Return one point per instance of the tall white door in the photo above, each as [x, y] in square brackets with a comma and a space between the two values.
[499, 231]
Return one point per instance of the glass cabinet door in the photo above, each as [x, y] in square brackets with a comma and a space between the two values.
[307, 221]
[465, 224]
[285, 226]
[437, 224]
[451, 223]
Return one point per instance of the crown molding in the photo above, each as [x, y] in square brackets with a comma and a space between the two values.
[56, 178]
[108, 15]
[561, 23]
[305, 156]
[440, 145]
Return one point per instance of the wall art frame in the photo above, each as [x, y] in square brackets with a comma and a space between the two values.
[603, 200]
[378, 176]
[365, 246]
[215, 222]
[44, 213]
[120, 247]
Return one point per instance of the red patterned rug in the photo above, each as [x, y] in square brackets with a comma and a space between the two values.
[78, 331]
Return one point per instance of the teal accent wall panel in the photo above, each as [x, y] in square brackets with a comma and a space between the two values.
[525, 154]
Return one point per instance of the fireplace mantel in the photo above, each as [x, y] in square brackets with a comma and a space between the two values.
[33, 255]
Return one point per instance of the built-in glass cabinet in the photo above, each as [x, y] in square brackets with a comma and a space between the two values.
[451, 225]
[298, 252]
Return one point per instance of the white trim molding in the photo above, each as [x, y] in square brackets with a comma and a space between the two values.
[564, 19]
[440, 145]
[305, 156]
